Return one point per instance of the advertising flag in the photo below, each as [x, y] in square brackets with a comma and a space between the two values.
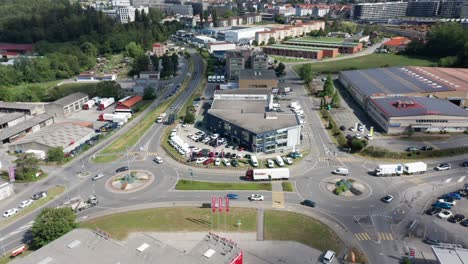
[227, 204]
[220, 204]
[11, 173]
[213, 203]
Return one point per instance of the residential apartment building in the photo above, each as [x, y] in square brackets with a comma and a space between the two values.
[320, 10]
[235, 62]
[159, 49]
[289, 31]
[126, 14]
[259, 61]
[423, 8]
[369, 11]
[453, 8]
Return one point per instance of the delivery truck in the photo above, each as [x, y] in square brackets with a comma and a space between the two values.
[88, 104]
[415, 168]
[267, 174]
[389, 170]
[106, 117]
[123, 114]
[106, 103]
[119, 119]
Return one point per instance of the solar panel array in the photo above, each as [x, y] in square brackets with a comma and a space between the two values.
[392, 80]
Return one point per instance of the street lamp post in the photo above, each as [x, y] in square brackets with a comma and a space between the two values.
[191, 175]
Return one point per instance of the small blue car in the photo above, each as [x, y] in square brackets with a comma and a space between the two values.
[232, 196]
[442, 205]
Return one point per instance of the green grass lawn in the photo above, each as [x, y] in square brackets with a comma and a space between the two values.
[366, 62]
[287, 187]
[52, 193]
[199, 185]
[279, 225]
[172, 219]
[106, 158]
[288, 59]
[323, 39]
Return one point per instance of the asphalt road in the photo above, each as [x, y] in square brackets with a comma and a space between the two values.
[377, 228]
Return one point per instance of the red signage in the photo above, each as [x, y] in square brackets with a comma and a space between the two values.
[227, 204]
[238, 259]
[220, 204]
[213, 203]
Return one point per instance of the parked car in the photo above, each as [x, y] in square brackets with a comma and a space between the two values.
[122, 169]
[26, 203]
[465, 164]
[341, 171]
[442, 205]
[444, 214]
[10, 212]
[443, 166]
[456, 218]
[270, 163]
[232, 196]
[427, 148]
[208, 161]
[226, 162]
[200, 160]
[453, 195]
[412, 149]
[288, 160]
[433, 210]
[97, 177]
[233, 156]
[387, 199]
[217, 162]
[295, 155]
[432, 242]
[451, 202]
[358, 136]
[39, 195]
[464, 223]
[308, 203]
[342, 128]
[256, 197]
[234, 163]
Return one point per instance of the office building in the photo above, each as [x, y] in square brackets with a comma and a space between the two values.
[126, 14]
[243, 117]
[453, 8]
[423, 8]
[235, 62]
[370, 11]
[249, 78]
[259, 61]
[293, 31]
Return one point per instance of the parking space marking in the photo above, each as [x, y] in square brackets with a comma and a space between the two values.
[362, 236]
[277, 199]
[462, 178]
[385, 236]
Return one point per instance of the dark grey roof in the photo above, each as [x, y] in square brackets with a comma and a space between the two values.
[234, 54]
[245, 91]
[256, 122]
[22, 106]
[392, 80]
[251, 74]
[422, 106]
[5, 118]
[70, 99]
[245, 106]
[11, 131]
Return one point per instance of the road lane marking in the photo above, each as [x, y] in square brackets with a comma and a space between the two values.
[362, 236]
[461, 179]
[385, 236]
[448, 180]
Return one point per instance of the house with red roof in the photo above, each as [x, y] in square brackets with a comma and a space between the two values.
[12, 50]
[159, 49]
[396, 44]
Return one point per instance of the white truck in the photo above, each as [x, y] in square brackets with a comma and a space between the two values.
[78, 204]
[389, 170]
[267, 174]
[415, 168]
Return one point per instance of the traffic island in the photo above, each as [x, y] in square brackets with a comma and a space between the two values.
[346, 188]
[130, 181]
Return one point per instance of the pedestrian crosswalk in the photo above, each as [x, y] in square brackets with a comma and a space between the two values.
[385, 236]
[323, 159]
[277, 199]
[362, 236]
[146, 153]
[347, 159]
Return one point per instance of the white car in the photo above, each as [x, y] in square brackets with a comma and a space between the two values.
[361, 129]
[214, 136]
[444, 214]
[194, 137]
[226, 162]
[369, 137]
[158, 160]
[358, 136]
[341, 171]
[200, 160]
[97, 177]
[288, 160]
[206, 140]
[270, 163]
[217, 161]
[26, 203]
[256, 197]
[452, 203]
[10, 212]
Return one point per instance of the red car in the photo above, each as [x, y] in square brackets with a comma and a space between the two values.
[208, 161]
[241, 148]
[211, 154]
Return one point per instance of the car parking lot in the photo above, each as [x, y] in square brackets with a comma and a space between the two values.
[91, 115]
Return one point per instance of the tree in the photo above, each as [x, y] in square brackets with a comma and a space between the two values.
[271, 41]
[55, 154]
[155, 62]
[148, 93]
[108, 89]
[336, 100]
[133, 50]
[329, 87]
[306, 73]
[89, 49]
[51, 224]
[27, 165]
[280, 69]
[189, 118]
[139, 64]
[357, 144]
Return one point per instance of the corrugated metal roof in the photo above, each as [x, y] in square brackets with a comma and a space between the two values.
[417, 106]
[11, 131]
[69, 99]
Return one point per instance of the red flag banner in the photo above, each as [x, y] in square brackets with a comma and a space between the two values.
[220, 204]
[227, 204]
[213, 203]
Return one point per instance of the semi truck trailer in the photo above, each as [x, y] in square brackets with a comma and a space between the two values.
[267, 174]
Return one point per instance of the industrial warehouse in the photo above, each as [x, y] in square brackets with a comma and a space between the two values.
[244, 117]
[426, 99]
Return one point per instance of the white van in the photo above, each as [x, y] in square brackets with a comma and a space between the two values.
[210, 79]
[222, 79]
[328, 257]
[341, 171]
[280, 161]
[254, 161]
[218, 78]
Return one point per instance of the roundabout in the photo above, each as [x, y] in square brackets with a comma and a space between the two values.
[129, 181]
[345, 189]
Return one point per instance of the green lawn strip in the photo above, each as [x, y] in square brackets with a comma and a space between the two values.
[366, 62]
[381, 153]
[106, 158]
[187, 185]
[172, 219]
[51, 194]
[288, 59]
[287, 186]
[279, 225]
[132, 136]
[5, 177]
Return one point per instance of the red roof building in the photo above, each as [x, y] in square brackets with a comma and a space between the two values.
[14, 50]
[159, 49]
[130, 103]
[396, 44]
